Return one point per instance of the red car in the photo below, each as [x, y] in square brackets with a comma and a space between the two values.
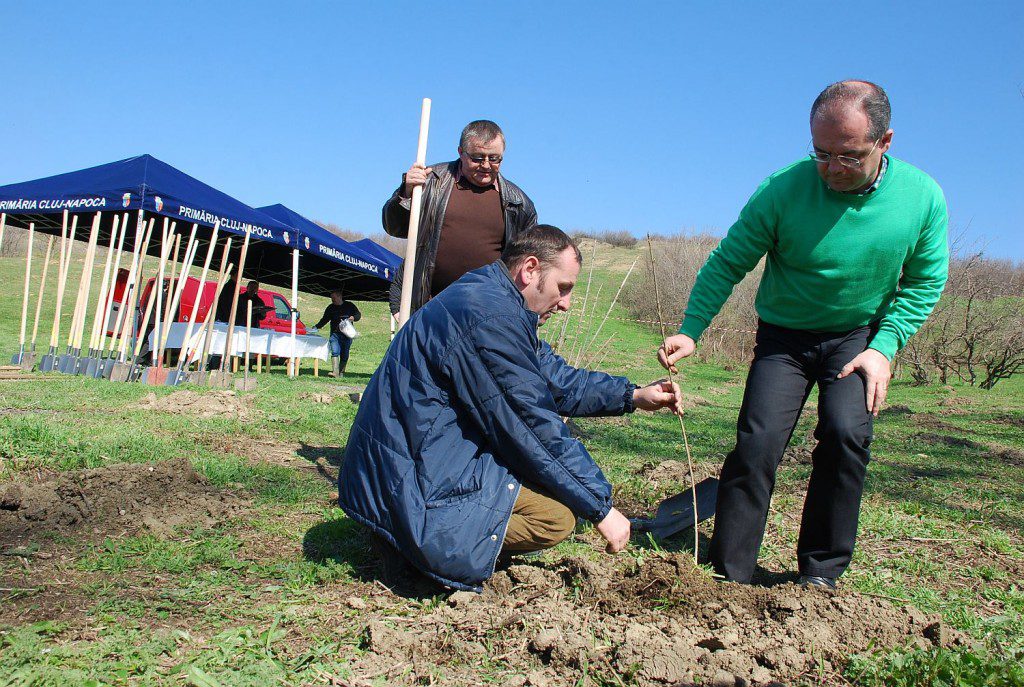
[278, 316]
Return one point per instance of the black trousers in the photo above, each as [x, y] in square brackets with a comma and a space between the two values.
[787, 364]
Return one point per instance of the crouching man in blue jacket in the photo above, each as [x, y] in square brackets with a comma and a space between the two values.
[458, 450]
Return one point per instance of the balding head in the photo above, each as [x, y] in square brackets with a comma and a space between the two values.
[867, 97]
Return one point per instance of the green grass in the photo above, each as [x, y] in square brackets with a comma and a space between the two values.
[254, 600]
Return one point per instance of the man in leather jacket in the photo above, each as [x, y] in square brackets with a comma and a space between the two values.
[469, 213]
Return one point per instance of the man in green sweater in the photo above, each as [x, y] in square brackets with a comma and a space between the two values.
[856, 259]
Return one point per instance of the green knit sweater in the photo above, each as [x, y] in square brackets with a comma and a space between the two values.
[835, 261]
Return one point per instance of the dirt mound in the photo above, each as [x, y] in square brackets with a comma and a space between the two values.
[677, 471]
[659, 622]
[210, 404]
[800, 452]
[335, 392]
[324, 461]
[694, 401]
[111, 500]
[998, 452]
[955, 405]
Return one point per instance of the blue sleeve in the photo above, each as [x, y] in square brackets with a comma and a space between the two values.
[584, 393]
[499, 380]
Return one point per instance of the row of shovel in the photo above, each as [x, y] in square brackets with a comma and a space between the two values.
[120, 361]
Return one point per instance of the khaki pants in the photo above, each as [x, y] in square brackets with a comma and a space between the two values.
[538, 521]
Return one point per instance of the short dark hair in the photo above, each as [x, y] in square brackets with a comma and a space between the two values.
[870, 97]
[542, 241]
[483, 130]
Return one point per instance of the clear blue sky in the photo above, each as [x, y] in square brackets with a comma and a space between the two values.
[637, 116]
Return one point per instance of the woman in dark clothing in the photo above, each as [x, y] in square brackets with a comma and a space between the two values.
[335, 313]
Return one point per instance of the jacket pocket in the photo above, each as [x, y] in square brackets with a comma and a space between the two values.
[461, 492]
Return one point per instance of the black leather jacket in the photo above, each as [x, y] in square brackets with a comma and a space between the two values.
[520, 215]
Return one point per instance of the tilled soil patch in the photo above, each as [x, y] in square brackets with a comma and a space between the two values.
[111, 500]
[679, 471]
[223, 404]
[659, 622]
[324, 461]
[1001, 454]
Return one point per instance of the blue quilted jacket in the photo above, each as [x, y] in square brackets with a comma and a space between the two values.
[465, 405]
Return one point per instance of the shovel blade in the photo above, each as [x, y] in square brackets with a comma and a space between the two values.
[196, 377]
[246, 384]
[220, 380]
[119, 372]
[28, 361]
[67, 364]
[156, 376]
[46, 363]
[675, 513]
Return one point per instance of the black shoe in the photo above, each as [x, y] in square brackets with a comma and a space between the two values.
[817, 581]
[398, 574]
[394, 568]
[507, 558]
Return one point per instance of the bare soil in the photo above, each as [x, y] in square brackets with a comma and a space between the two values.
[324, 461]
[223, 404]
[110, 500]
[659, 622]
[678, 471]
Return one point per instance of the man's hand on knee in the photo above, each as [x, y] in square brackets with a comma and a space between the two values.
[876, 371]
[615, 529]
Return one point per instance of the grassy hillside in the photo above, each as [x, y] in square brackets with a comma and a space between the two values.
[269, 583]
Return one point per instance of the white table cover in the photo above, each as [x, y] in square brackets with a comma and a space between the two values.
[263, 342]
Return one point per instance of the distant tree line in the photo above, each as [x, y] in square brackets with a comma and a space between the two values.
[730, 337]
[396, 246]
[619, 239]
[975, 334]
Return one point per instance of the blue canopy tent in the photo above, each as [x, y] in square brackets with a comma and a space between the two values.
[374, 248]
[145, 186]
[348, 265]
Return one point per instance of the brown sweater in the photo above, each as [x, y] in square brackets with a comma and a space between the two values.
[472, 234]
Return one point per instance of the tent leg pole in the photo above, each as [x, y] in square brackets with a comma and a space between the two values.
[295, 305]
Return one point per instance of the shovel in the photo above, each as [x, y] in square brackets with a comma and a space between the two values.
[68, 363]
[49, 361]
[90, 364]
[675, 513]
[19, 357]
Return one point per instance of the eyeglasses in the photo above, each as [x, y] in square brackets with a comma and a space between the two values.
[479, 159]
[844, 160]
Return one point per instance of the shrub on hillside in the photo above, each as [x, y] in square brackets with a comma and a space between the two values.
[341, 232]
[976, 331]
[16, 242]
[730, 337]
[395, 245]
[619, 239]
